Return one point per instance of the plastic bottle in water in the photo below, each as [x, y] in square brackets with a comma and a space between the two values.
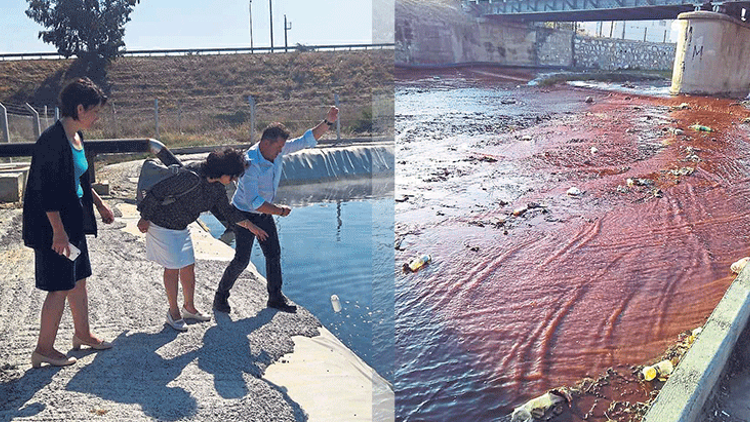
[662, 370]
[336, 303]
[415, 264]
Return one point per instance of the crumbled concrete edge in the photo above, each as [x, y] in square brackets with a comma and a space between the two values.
[683, 396]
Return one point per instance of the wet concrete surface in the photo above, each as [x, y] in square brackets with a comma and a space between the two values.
[534, 285]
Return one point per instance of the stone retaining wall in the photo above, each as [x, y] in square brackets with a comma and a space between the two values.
[614, 54]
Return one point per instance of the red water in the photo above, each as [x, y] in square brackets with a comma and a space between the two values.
[575, 284]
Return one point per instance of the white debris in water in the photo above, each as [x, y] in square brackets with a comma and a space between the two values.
[335, 303]
[574, 191]
[739, 265]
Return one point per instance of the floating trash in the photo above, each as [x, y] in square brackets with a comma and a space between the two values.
[739, 265]
[537, 407]
[417, 263]
[676, 131]
[661, 370]
[594, 150]
[694, 335]
[336, 303]
[574, 191]
[684, 171]
[519, 211]
[701, 128]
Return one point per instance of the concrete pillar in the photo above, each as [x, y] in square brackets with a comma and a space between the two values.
[711, 55]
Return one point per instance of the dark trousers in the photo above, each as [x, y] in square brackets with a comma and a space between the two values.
[244, 245]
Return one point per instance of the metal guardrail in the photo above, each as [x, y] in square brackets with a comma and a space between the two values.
[100, 146]
[224, 50]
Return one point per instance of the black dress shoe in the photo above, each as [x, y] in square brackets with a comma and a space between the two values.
[282, 305]
[221, 304]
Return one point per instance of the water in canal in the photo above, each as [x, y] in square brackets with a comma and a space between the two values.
[338, 240]
[533, 284]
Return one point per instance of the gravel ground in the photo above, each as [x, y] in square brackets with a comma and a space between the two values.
[730, 398]
[212, 372]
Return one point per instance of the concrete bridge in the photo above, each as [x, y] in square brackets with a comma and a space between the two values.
[710, 57]
[600, 10]
[711, 51]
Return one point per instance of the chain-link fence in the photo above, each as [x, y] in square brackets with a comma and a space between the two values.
[181, 121]
[22, 122]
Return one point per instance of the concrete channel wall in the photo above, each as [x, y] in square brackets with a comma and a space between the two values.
[683, 396]
[441, 32]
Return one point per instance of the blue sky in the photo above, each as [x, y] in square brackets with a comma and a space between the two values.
[212, 23]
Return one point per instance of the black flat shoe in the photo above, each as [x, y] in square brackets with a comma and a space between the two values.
[282, 305]
[221, 305]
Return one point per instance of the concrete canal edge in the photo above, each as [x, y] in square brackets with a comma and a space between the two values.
[683, 396]
[322, 375]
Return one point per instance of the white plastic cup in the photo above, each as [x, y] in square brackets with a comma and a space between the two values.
[336, 303]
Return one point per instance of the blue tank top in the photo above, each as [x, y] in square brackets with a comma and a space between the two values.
[80, 166]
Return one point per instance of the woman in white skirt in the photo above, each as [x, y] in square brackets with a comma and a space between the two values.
[171, 205]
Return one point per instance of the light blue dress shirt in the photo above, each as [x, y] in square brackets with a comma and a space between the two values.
[261, 179]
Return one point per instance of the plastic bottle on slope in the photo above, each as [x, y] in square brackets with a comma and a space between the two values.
[417, 263]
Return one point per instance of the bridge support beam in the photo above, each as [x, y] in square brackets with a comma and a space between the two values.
[711, 56]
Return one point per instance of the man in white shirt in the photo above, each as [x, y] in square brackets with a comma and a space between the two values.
[255, 196]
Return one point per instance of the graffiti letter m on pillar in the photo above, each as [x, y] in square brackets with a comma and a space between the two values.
[698, 51]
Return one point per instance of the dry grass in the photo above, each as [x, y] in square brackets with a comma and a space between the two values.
[203, 98]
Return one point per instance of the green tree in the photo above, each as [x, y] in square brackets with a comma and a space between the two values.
[87, 29]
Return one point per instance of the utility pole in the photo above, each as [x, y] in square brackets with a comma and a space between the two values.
[287, 27]
[270, 14]
[250, 6]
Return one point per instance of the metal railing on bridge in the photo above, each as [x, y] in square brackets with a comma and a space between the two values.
[601, 10]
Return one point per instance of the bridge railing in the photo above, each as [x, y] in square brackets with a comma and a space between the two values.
[602, 10]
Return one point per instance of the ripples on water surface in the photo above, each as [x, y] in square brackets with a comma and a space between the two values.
[513, 306]
[339, 240]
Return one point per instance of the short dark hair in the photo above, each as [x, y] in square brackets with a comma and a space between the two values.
[225, 161]
[274, 131]
[79, 91]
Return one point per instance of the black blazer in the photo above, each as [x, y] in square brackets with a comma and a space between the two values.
[51, 187]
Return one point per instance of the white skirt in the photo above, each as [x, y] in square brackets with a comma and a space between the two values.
[172, 249]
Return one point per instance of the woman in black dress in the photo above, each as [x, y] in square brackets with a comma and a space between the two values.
[58, 212]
